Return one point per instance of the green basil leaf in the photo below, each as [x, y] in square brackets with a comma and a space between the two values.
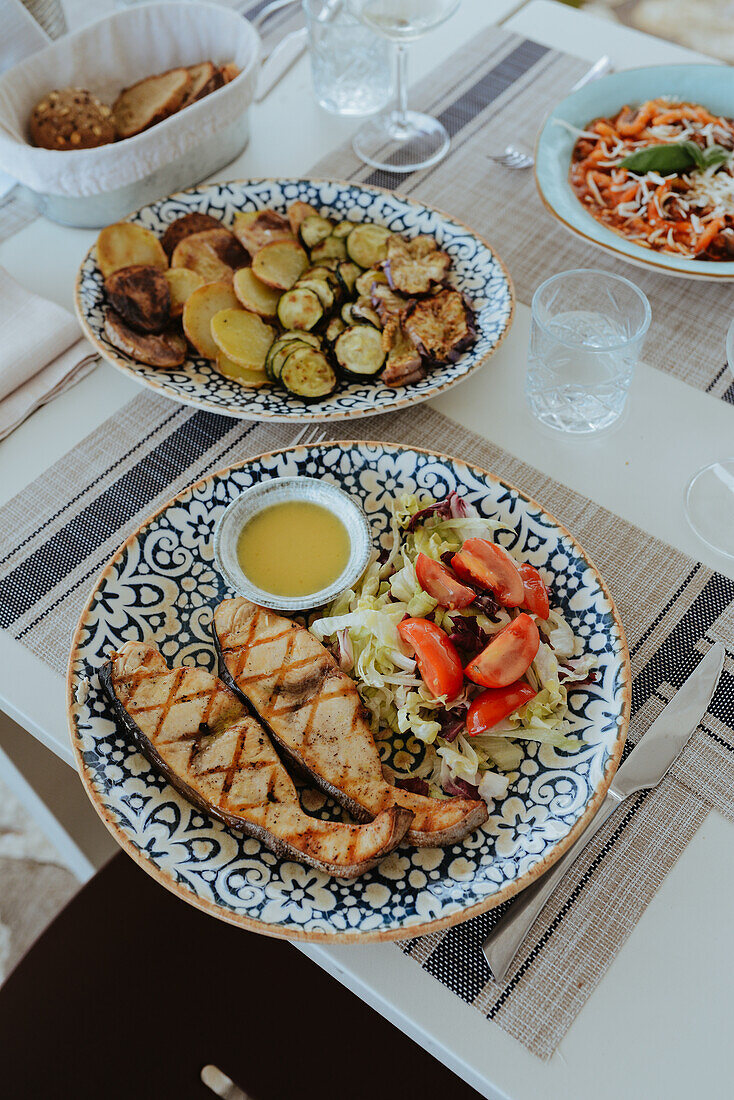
[665, 159]
[715, 154]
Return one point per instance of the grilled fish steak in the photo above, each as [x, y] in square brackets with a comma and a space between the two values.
[218, 756]
[316, 717]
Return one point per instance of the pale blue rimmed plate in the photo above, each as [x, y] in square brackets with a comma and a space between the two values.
[710, 85]
[162, 586]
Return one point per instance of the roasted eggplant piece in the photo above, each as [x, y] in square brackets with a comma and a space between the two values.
[441, 327]
[387, 303]
[141, 295]
[315, 716]
[404, 364]
[184, 227]
[414, 268]
[200, 736]
[164, 349]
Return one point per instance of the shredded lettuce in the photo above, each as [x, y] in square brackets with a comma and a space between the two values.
[361, 625]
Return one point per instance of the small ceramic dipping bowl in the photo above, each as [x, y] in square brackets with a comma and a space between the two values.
[279, 491]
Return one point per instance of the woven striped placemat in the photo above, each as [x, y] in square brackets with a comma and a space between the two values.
[495, 91]
[57, 533]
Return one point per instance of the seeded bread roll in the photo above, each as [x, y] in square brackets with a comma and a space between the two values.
[71, 118]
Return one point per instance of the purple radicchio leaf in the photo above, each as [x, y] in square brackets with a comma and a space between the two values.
[413, 784]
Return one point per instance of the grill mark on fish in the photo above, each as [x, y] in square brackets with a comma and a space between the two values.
[313, 730]
[227, 783]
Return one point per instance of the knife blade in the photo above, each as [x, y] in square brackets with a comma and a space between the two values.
[645, 767]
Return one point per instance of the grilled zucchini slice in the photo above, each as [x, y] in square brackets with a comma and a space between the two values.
[348, 272]
[308, 374]
[334, 328]
[367, 245]
[322, 288]
[283, 346]
[359, 352]
[333, 248]
[315, 229]
[300, 308]
[343, 229]
[362, 311]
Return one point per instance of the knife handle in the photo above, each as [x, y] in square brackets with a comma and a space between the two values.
[503, 942]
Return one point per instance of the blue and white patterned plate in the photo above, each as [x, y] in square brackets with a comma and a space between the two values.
[475, 269]
[162, 585]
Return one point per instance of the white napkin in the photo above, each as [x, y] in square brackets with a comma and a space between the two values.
[41, 352]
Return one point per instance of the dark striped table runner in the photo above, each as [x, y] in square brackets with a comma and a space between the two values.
[497, 90]
[56, 535]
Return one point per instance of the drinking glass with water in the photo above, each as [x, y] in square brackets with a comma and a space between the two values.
[586, 336]
[351, 66]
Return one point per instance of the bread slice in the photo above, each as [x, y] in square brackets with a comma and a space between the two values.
[150, 101]
[205, 78]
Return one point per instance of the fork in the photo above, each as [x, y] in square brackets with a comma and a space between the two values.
[515, 158]
[308, 435]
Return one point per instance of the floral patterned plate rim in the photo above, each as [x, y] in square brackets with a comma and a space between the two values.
[476, 270]
[161, 585]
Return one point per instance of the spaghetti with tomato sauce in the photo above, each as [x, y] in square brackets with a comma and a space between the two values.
[687, 212]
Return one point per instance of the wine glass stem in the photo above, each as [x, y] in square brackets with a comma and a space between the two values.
[401, 86]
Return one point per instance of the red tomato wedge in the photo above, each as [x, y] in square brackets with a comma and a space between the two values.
[536, 593]
[493, 705]
[489, 566]
[440, 582]
[438, 661]
[508, 656]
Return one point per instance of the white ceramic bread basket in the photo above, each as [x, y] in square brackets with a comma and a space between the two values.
[93, 187]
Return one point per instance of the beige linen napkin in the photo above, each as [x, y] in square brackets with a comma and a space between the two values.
[41, 352]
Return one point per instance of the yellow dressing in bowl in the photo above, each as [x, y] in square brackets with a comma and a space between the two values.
[293, 548]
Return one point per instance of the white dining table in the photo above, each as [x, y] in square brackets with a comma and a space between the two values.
[659, 1023]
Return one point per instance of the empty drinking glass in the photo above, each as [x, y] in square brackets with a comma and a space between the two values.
[351, 66]
[587, 332]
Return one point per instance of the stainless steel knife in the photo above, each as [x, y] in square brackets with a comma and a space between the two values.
[644, 768]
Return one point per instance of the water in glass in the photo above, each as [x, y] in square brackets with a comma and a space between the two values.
[351, 66]
[581, 359]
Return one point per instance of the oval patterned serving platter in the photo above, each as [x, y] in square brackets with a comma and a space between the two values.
[476, 270]
[162, 586]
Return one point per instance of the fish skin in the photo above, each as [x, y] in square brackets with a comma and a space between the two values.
[218, 756]
[307, 703]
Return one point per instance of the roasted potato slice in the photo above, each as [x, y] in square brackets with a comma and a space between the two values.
[124, 244]
[243, 337]
[255, 295]
[214, 254]
[237, 373]
[164, 349]
[298, 212]
[184, 227]
[141, 295]
[280, 264]
[198, 311]
[182, 282]
[256, 228]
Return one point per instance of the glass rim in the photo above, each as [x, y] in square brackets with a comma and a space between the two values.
[641, 330]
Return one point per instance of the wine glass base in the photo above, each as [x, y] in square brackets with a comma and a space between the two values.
[406, 145]
[710, 505]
